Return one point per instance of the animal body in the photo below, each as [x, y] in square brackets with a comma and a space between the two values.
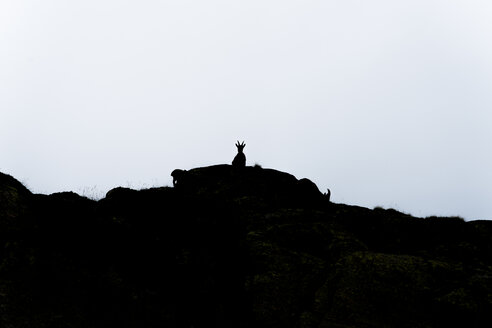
[240, 159]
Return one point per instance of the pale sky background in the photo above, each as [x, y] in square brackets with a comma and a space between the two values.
[387, 103]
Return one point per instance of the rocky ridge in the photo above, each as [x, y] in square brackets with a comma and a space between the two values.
[235, 247]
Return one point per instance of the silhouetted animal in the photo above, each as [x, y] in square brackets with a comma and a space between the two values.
[178, 176]
[307, 192]
[240, 159]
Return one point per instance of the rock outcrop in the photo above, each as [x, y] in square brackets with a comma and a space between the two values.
[229, 247]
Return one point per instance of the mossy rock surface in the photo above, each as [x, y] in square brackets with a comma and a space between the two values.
[235, 247]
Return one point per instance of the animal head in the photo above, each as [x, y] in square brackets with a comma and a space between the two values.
[240, 146]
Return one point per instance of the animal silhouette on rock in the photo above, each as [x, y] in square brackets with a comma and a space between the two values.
[240, 159]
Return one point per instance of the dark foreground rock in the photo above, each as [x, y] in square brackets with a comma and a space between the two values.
[235, 247]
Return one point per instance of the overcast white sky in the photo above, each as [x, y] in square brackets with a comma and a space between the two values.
[387, 103]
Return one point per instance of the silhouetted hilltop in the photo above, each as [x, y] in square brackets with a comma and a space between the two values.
[235, 247]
